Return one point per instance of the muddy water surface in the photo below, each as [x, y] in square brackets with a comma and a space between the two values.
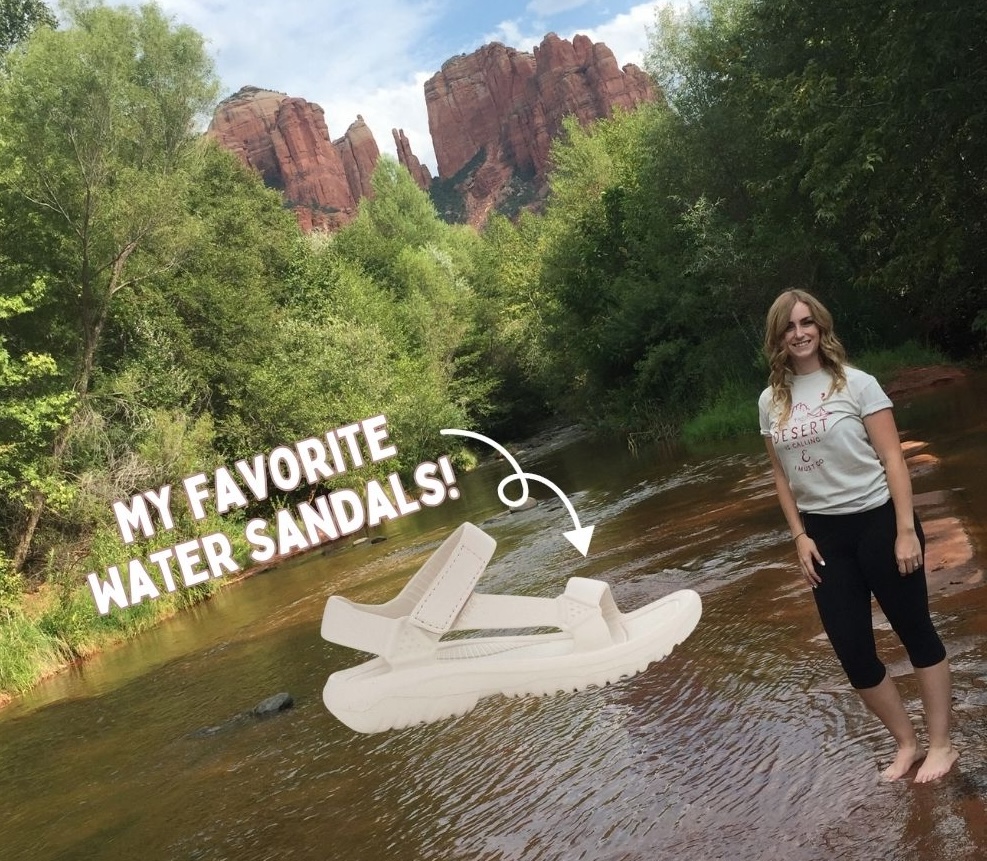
[746, 743]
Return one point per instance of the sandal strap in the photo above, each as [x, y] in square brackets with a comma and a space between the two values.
[429, 602]
[452, 573]
[484, 611]
[439, 598]
[586, 609]
[357, 625]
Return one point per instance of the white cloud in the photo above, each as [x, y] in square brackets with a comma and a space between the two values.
[351, 57]
[626, 35]
[553, 7]
[509, 33]
[386, 108]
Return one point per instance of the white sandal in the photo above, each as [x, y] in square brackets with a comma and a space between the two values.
[420, 678]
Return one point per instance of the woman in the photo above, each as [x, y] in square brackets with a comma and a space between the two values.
[845, 491]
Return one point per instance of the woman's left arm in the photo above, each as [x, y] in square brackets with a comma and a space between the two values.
[883, 435]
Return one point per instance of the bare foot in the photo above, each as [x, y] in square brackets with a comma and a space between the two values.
[906, 758]
[937, 763]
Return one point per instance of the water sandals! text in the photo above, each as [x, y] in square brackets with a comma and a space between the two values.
[327, 517]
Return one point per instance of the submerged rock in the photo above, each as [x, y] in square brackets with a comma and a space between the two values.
[264, 709]
[273, 705]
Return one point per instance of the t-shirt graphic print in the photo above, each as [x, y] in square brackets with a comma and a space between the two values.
[823, 445]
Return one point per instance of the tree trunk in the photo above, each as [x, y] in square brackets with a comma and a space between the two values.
[33, 516]
[38, 501]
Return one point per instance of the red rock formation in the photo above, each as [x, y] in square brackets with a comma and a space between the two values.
[498, 110]
[358, 150]
[286, 141]
[419, 172]
[468, 99]
[492, 115]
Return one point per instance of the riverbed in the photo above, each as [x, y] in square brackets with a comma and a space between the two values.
[745, 743]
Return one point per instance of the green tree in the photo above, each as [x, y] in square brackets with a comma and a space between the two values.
[399, 215]
[196, 341]
[622, 320]
[31, 410]
[839, 145]
[99, 130]
[886, 104]
[801, 145]
[423, 273]
[18, 19]
[511, 323]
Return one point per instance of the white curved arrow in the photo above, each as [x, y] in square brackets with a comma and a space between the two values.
[580, 537]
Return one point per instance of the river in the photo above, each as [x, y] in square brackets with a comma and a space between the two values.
[745, 743]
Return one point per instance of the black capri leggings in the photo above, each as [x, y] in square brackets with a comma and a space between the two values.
[859, 554]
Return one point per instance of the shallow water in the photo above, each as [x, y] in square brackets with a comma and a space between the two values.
[745, 743]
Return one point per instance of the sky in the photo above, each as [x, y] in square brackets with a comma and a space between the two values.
[372, 57]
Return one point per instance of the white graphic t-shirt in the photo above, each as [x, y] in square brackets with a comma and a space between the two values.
[823, 446]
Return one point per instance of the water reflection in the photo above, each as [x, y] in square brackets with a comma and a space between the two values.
[745, 743]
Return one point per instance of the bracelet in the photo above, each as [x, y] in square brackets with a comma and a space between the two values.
[797, 537]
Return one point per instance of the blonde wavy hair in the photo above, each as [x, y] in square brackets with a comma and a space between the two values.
[831, 352]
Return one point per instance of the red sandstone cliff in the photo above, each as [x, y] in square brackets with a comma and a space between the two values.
[418, 171]
[500, 108]
[359, 153]
[492, 115]
[286, 141]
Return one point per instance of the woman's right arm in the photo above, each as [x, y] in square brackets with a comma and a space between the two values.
[808, 553]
